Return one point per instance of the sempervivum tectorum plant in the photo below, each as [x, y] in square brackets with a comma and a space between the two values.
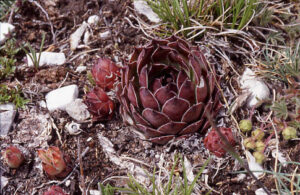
[99, 104]
[105, 73]
[166, 88]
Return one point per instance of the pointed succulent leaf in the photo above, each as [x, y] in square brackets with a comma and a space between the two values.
[163, 94]
[172, 128]
[175, 107]
[148, 100]
[156, 118]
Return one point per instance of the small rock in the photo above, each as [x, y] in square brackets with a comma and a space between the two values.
[80, 69]
[105, 34]
[73, 128]
[257, 88]
[60, 98]
[68, 182]
[241, 177]
[4, 182]
[142, 7]
[78, 110]
[94, 19]
[7, 116]
[89, 139]
[86, 37]
[189, 170]
[253, 165]
[95, 192]
[260, 191]
[76, 36]
[5, 30]
[48, 59]
[42, 104]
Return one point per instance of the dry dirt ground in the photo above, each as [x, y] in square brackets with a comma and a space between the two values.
[34, 127]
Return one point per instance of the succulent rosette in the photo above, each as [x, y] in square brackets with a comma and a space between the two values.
[13, 157]
[54, 163]
[105, 73]
[99, 104]
[166, 88]
[214, 143]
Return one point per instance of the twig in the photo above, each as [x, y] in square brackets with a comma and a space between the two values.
[17, 189]
[134, 160]
[277, 149]
[82, 155]
[84, 52]
[56, 130]
[11, 13]
[292, 181]
[64, 80]
[82, 183]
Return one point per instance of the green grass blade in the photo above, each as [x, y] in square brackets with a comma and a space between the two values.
[171, 175]
[186, 12]
[185, 185]
[198, 175]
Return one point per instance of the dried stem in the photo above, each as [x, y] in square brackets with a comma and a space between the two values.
[82, 183]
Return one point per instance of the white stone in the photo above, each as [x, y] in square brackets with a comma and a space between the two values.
[68, 182]
[80, 69]
[259, 91]
[256, 168]
[260, 191]
[4, 182]
[189, 170]
[42, 104]
[78, 110]
[89, 139]
[241, 177]
[86, 37]
[60, 98]
[48, 59]
[5, 29]
[7, 116]
[76, 36]
[105, 34]
[95, 192]
[94, 19]
[142, 7]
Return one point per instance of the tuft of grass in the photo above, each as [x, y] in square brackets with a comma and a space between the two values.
[12, 95]
[7, 59]
[177, 186]
[288, 183]
[181, 14]
[34, 57]
[282, 65]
